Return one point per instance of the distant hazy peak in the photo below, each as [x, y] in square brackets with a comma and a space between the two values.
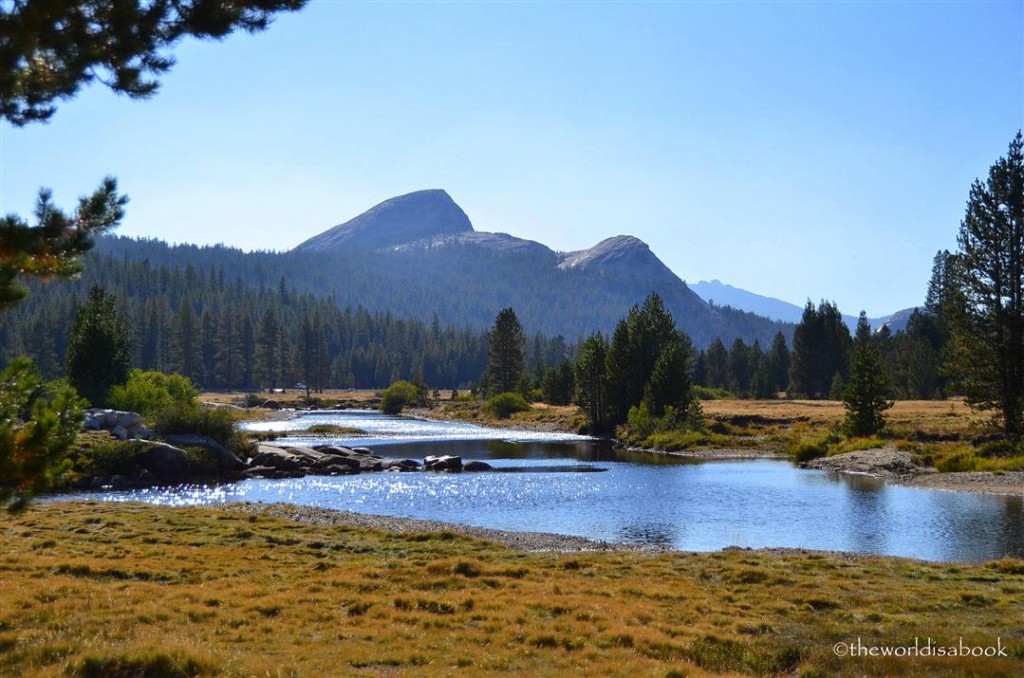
[403, 219]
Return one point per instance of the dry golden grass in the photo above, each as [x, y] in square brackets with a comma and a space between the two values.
[92, 589]
[539, 416]
[931, 417]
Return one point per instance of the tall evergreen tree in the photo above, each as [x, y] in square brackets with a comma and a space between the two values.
[740, 372]
[506, 358]
[716, 360]
[99, 351]
[637, 342]
[866, 395]
[821, 346]
[669, 384]
[591, 381]
[186, 342]
[777, 362]
[988, 326]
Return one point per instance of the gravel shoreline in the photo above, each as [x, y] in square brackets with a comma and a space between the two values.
[897, 467]
[521, 541]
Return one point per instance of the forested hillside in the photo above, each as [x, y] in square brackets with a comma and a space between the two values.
[463, 284]
[235, 332]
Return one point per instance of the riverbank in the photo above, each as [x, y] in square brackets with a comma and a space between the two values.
[128, 589]
[932, 432]
[899, 467]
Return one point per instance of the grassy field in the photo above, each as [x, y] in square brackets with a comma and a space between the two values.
[93, 589]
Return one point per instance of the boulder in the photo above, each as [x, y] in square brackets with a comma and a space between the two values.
[445, 462]
[338, 470]
[92, 423]
[400, 465]
[341, 462]
[477, 466]
[140, 431]
[167, 463]
[271, 405]
[128, 419]
[119, 432]
[226, 460]
[276, 458]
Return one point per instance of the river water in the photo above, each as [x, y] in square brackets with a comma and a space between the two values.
[574, 485]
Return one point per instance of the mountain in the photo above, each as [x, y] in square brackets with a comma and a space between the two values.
[403, 219]
[721, 294]
[425, 236]
[418, 257]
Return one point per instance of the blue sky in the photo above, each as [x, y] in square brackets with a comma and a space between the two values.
[798, 150]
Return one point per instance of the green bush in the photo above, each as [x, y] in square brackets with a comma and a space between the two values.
[400, 395]
[709, 393]
[806, 450]
[504, 405]
[216, 423]
[149, 392]
[108, 458]
[963, 460]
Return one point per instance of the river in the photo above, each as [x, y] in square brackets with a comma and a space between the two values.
[561, 483]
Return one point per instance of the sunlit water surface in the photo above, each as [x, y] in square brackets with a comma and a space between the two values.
[647, 499]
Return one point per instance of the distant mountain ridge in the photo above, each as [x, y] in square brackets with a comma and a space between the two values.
[418, 256]
[414, 228]
[726, 295]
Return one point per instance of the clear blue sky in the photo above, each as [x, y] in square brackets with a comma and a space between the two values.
[798, 150]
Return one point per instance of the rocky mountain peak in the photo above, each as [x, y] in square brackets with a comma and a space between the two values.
[404, 219]
[619, 250]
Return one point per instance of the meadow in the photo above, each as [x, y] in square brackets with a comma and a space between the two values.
[101, 589]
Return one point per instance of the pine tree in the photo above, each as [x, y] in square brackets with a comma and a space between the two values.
[821, 346]
[866, 395]
[266, 369]
[777, 363]
[506, 359]
[740, 371]
[669, 384]
[716, 359]
[988, 325]
[638, 340]
[591, 384]
[99, 351]
[186, 342]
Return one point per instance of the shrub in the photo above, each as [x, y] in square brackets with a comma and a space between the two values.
[108, 458]
[709, 393]
[963, 460]
[215, 423]
[503, 405]
[400, 395]
[149, 392]
[806, 450]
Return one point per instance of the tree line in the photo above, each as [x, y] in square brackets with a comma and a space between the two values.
[222, 334]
